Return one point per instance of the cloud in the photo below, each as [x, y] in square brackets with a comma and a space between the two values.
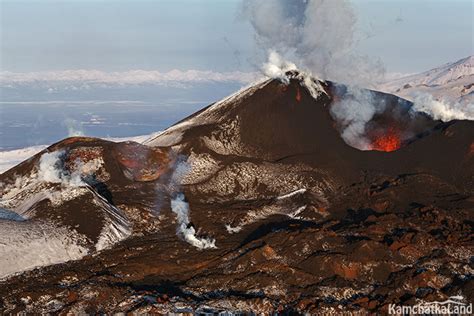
[82, 79]
[79, 103]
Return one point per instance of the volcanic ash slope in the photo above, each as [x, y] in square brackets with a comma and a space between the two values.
[255, 203]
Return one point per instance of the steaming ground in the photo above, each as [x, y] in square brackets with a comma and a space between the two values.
[185, 229]
[10, 158]
[259, 202]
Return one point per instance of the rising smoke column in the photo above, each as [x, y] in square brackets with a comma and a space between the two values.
[316, 35]
[180, 207]
[353, 112]
[51, 170]
[74, 128]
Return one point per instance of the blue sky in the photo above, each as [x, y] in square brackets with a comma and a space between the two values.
[408, 35]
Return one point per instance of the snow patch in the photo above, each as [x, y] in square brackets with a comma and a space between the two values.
[166, 138]
[276, 178]
[452, 83]
[297, 212]
[111, 234]
[116, 226]
[201, 167]
[291, 194]
[225, 140]
[233, 230]
[27, 245]
[437, 76]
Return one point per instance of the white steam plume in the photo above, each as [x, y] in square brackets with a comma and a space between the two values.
[353, 112]
[442, 110]
[318, 35]
[74, 128]
[276, 67]
[181, 208]
[51, 170]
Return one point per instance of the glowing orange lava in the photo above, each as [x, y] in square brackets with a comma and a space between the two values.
[390, 141]
[471, 149]
[298, 94]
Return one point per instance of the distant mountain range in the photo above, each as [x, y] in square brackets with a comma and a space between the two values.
[452, 82]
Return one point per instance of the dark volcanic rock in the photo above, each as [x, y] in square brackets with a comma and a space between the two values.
[302, 222]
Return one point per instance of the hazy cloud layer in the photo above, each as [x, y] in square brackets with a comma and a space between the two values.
[132, 77]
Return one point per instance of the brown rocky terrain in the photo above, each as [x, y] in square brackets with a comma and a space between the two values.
[280, 214]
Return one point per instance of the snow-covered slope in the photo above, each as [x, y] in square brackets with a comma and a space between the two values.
[26, 245]
[60, 208]
[441, 75]
[452, 82]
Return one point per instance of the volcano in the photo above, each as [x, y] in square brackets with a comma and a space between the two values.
[452, 82]
[253, 204]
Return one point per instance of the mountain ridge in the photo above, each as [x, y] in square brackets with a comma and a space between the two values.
[453, 82]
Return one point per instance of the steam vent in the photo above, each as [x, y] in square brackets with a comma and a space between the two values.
[264, 201]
